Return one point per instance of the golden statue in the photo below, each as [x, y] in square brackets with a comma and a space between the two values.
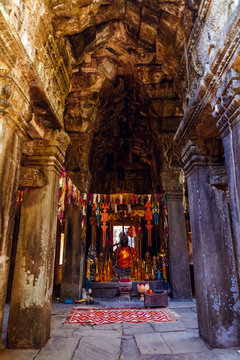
[125, 257]
[96, 276]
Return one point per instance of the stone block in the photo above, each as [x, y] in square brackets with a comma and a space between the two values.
[112, 327]
[59, 348]
[129, 349]
[226, 354]
[101, 347]
[183, 342]
[189, 320]
[153, 344]
[169, 327]
[141, 328]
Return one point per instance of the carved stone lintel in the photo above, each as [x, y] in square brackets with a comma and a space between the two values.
[210, 83]
[30, 177]
[230, 117]
[178, 196]
[218, 177]
[47, 152]
[14, 106]
[171, 182]
[82, 179]
[201, 152]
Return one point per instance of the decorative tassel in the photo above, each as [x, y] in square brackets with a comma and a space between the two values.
[155, 214]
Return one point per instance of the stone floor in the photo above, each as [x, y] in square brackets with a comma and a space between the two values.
[156, 341]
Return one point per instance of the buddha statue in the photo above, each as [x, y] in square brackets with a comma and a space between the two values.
[125, 257]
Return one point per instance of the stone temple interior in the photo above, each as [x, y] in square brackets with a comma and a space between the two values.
[124, 98]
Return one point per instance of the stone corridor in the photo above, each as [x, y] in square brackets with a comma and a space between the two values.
[147, 341]
[120, 113]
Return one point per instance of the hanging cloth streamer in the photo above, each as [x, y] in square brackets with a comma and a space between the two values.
[148, 219]
[104, 225]
[98, 213]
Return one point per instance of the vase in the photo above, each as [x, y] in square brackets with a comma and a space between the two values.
[142, 289]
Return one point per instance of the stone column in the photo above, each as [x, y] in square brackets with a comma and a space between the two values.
[30, 308]
[217, 293]
[179, 269]
[71, 285]
[12, 131]
[229, 127]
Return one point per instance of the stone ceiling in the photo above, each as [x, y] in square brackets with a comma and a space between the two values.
[125, 57]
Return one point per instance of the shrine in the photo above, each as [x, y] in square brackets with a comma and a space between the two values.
[126, 237]
[119, 169]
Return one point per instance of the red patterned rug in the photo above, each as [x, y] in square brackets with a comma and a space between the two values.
[110, 316]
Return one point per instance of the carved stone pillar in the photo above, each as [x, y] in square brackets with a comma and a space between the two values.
[30, 308]
[74, 255]
[217, 293]
[229, 127]
[179, 270]
[12, 132]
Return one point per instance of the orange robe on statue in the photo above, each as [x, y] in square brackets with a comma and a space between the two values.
[123, 256]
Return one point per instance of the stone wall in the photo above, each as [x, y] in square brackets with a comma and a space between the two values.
[32, 57]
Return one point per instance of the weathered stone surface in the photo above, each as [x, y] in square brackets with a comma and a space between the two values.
[166, 327]
[74, 255]
[182, 342]
[189, 319]
[8, 192]
[113, 50]
[217, 295]
[178, 251]
[114, 327]
[83, 331]
[231, 151]
[30, 177]
[13, 125]
[41, 75]
[8, 354]
[30, 310]
[153, 344]
[223, 354]
[58, 348]
[129, 349]
[106, 347]
[130, 329]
